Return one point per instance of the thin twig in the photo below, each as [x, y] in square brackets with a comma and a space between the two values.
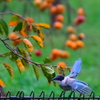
[2, 69]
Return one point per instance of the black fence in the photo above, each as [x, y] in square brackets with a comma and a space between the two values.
[52, 96]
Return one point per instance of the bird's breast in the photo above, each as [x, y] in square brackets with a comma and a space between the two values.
[65, 88]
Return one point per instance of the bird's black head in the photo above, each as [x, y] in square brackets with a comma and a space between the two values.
[58, 78]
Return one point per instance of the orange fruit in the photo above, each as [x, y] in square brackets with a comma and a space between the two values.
[56, 52]
[60, 8]
[16, 41]
[64, 54]
[68, 43]
[62, 64]
[58, 25]
[50, 1]
[45, 5]
[37, 2]
[59, 18]
[53, 10]
[73, 37]
[80, 43]
[12, 36]
[53, 57]
[80, 11]
[74, 45]
[29, 19]
[81, 36]
[70, 29]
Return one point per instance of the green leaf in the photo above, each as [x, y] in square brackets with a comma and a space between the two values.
[14, 18]
[25, 63]
[47, 60]
[4, 27]
[7, 54]
[36, 71]
[48, 72]
[1, 29]
[34, 28]
[13, 57]
[18, 27]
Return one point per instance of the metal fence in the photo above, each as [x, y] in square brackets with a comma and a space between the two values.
[52, 96]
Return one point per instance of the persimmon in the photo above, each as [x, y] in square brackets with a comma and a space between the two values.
[45, 5]
[73, 37]
[12, 36]
[81, 36]
[62, 64]
[74, 45]
[59, 18]
[37, 2]
[29, 19]
[53, 57]
[80, 43]
[70, 29]
[53, 10]
[58, 25]
[68, 43]
[50, 1]
[80, 11]
[56, 52]
[60, 8]
[16, 41]
[64, 54]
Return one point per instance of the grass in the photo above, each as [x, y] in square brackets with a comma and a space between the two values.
[90, 54]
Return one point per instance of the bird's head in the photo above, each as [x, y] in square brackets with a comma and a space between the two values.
[58, 78]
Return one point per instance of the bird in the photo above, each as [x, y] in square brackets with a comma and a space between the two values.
[69, 82]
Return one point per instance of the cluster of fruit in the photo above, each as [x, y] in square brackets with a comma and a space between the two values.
[56, 53]
[75, 41]
[57, 11]
[43, 4]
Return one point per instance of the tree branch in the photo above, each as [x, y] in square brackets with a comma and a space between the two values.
[15, 52]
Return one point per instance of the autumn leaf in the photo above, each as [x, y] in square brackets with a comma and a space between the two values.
[20, 65]
[41, 35]
[14, 20]
[9, 69]
[60, 70]
[24, 30]
[2, 83]
[25, 63]
[44, 25]
[36, 71]
[38, 40]
[28, 45]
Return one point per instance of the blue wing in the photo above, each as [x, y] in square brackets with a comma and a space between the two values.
[75, 69]
[81, 87]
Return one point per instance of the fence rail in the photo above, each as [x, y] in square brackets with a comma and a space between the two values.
[72, 96]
